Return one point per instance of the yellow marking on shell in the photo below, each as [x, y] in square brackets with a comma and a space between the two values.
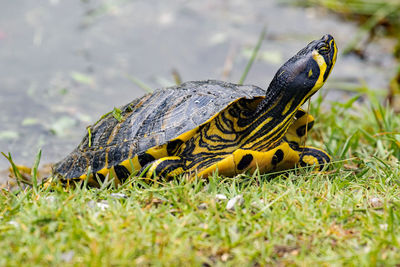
[143, 100]
[82, 177]
[103, 171]
[310, 73]
[158, 151]
[133, 161]
[127, 164]
[287, 107]
[112, 175]
[111, 172]
[132, 165]
[153, 167]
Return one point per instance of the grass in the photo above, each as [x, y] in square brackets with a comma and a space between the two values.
[376, 18]
[253, 55]
[349, 215]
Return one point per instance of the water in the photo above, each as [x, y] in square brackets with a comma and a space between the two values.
[65, 63]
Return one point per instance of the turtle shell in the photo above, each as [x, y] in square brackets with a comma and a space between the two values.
[149, 121]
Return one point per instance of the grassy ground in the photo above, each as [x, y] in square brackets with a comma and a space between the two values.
[349, 215]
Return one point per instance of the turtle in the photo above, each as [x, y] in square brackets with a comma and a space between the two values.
[201, 127]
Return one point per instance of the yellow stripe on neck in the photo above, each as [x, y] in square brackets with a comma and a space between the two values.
[322, 69]
[287, 107]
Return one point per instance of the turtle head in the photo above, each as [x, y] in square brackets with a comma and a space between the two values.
[302, 75]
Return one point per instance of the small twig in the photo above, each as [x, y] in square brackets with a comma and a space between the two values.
[385, 133]
[228, 64]
[308, 112]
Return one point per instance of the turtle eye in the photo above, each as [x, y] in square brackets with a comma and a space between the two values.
[323, 48]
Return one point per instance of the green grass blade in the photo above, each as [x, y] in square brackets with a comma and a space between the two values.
[35, 171]
[346, 146]
[16, 172]
[253, 56]
[89, 171]
[139, 83]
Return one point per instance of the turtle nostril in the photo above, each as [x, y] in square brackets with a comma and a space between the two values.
[326, 38]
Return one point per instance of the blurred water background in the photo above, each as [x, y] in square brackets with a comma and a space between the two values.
[65, 63]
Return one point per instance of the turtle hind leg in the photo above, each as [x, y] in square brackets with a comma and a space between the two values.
[311, 156]
[167, 168]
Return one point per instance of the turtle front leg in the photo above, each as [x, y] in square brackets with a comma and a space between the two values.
[302, 124]
[296, 135]
[166, 167]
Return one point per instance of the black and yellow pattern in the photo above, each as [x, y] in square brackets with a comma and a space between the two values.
[204, 126]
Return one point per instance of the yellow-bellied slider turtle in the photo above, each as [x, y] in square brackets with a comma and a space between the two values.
[203, 126]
